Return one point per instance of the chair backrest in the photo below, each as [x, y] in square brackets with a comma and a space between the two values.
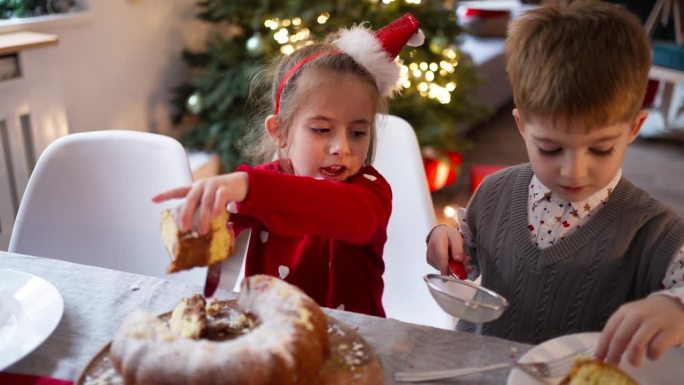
[398, 158]
[88, 201]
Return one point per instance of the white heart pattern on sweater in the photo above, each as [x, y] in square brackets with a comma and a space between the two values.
[263, 236]
[283, 271]
[370, 177]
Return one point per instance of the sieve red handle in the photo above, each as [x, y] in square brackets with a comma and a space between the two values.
[457, 269]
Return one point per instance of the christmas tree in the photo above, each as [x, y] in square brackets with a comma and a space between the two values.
[213, 105]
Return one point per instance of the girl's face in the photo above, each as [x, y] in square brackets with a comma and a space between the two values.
[330, 134]
[572, 162]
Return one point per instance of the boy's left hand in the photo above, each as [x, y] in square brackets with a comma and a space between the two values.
[649, 326]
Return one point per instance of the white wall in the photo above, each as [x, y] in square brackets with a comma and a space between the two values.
[118, 67]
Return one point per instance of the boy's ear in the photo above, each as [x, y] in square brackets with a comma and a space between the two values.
[519, 121]
[637, 124]
[272, 125]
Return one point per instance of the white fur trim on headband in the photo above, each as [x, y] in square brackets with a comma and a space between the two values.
[417, 39]
[360, 43]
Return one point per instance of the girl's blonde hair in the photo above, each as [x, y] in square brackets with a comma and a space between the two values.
[257, 145]
[583, 59]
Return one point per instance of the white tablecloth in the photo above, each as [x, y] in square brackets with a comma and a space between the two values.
[96, 299]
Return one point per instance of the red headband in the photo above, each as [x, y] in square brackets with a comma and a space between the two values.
[294, 69]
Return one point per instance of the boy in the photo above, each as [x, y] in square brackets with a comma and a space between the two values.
[571, 244]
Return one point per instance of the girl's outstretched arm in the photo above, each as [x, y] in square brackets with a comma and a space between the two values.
[354, 211]
[208, 196]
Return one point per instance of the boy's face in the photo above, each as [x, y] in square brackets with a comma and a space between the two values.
[330, 134]
[574, 162]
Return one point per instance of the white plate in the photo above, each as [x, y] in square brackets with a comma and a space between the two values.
[30, 309]
[668, 370]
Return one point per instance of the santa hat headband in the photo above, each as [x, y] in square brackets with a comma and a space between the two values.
[376, 51]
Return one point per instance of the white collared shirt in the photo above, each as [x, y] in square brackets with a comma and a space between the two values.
[552, 218]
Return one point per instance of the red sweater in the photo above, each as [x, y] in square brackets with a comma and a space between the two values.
[324, 237]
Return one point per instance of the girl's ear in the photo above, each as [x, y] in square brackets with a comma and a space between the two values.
[272, 125]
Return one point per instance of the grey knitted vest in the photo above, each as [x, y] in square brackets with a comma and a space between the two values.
[620, 255]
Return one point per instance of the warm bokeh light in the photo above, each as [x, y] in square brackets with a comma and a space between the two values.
[449, 211]
[323, 17]
[287, 49]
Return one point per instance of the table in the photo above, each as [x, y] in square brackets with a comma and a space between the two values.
[96, 299]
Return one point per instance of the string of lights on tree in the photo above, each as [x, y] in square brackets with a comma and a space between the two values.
[292, 34]
[435, 79]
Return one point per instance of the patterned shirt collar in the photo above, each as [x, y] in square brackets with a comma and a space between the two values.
[538, 193]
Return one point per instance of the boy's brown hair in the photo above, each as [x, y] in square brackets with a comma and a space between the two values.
[583, 59]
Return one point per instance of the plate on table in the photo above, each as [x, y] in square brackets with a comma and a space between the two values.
[667, 370]
[30, 309]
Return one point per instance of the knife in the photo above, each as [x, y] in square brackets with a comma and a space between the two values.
[213, 278]
[234, 263]
[211, 283]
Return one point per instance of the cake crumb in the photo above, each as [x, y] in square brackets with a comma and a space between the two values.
[337, 330]
[108, 377]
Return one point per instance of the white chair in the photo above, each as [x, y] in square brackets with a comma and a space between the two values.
[88, 201]
[398, 159]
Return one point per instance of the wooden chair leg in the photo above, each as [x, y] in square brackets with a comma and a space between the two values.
[653, 16]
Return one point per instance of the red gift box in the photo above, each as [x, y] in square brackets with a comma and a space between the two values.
[486, 13]
[479, 171]
[441, 170]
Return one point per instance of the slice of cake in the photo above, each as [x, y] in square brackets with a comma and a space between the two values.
[592, 372]
[189, 249]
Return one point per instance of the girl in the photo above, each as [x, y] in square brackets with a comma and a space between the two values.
[318, 213]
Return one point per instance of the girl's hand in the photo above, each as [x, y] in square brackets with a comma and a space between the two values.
[651, 326]
[444, 243]
[210, 196]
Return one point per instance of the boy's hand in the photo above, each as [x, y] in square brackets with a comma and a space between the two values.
[651, 326]
[210, 196]
[446, 242]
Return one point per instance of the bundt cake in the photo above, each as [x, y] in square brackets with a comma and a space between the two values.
[593, 372]
[189, 249]
[284, 340]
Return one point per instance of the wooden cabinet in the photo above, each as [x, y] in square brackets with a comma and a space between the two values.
[32, 115]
